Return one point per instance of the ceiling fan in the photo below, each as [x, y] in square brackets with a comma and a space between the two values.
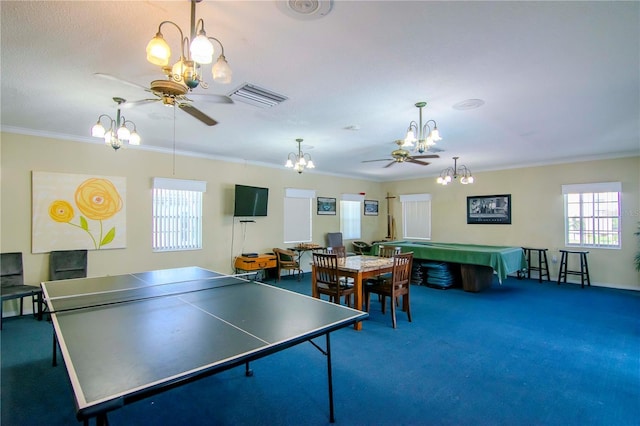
[171, 93]
[401, 155]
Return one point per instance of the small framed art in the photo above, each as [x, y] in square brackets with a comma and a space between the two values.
[326, 206]
[370, 208]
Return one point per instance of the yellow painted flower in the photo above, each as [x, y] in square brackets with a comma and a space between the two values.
[61, 211]
[98, 199]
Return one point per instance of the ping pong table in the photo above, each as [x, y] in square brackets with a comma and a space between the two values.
[127, 337]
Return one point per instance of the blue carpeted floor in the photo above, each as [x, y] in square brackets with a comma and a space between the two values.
[522, 353]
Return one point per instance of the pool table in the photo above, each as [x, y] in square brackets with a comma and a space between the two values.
[477, 262]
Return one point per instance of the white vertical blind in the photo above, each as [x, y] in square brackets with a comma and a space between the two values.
[416, 216]
[177, 214]
[350, 219]
[298, 215]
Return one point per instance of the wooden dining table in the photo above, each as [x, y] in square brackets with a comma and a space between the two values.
[359, 268]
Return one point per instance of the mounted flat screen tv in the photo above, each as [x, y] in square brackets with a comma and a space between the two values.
[250, 201]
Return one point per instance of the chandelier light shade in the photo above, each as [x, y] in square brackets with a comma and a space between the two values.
[299, 161]
[195, 50]
[118, 132]
[423, 136]
[450, 173]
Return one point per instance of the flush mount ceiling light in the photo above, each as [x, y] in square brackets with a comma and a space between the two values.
[199, 52]
[118, 132]
[450, 173]
[299, 161]
[305, 10]
[423, 136]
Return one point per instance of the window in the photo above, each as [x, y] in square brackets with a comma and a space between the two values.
[350, 211]
[177, 214]
[416, 216]
[592, 214]
[298, 204]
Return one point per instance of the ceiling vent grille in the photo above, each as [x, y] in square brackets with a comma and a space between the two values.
[257, 96]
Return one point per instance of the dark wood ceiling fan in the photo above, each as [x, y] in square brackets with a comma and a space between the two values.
[401, 155]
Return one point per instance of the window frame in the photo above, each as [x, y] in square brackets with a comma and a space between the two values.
[589, 217]
[186, 196]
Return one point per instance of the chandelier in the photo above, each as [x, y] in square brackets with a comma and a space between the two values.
[199, 51]
[451, 173]
[299, 161]
[118, 132]
[422, 135]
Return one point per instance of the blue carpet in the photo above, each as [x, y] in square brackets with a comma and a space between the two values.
[520, 353]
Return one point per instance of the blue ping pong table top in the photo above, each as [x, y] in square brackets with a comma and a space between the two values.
[125, 349]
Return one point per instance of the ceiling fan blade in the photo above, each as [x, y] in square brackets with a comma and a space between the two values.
[207, 97]
[194, 112]
[127, 105]
[382, 159]
[390, 164]
[120, 80]
[426, 156]
[413, 160]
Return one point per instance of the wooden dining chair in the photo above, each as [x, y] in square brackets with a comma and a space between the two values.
[287, 261]
[327, 278]
[399, 285]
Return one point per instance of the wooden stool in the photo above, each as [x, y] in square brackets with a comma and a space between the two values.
[584, 268]
[543, 265]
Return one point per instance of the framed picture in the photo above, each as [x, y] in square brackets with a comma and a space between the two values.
[489, 209]
[370, 208]
[326, 205]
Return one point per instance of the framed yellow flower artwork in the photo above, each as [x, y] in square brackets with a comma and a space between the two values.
[73, 211]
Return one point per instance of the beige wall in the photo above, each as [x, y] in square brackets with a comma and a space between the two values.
[537, 212]
[222, 235]
[536, 199]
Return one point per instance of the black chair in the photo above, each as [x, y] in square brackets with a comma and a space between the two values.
[66, 264]
[399, 285]
[12, 283]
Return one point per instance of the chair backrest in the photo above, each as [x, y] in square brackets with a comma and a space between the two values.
[360, 247]
[334, 239]
[388, 251]
[341, 251]
[11, 269]
[285, 256]
[401, 276]
[326, 267]
[65, 264]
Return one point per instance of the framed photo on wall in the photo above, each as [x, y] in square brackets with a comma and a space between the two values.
[489, 209]
[326, 206]
[370, 208]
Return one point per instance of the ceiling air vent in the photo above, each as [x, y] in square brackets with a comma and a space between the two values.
[257, 96]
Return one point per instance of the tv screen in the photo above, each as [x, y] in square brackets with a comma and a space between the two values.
[251, 201]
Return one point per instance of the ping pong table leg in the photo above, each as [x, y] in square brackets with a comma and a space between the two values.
[330, 378]
[248, 371]
[54, 357]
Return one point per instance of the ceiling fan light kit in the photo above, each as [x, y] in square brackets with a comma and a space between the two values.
[299, 161]
[424, 136]
[200, 52]
[450, 173]
[118, 133]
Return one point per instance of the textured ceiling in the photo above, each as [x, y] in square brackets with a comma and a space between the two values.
[560, 80]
